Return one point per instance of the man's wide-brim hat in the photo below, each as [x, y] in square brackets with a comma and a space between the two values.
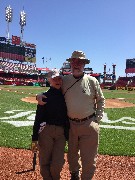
[79, 55]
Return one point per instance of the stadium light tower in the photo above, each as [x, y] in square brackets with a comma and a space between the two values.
[9, 16]
[22, 22]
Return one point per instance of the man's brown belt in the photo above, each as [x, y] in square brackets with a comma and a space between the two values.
[81, 120]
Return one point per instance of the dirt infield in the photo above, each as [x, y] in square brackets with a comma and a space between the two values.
[16, 164]
[109, 103]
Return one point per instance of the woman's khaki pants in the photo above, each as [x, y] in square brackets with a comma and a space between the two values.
[51, 152]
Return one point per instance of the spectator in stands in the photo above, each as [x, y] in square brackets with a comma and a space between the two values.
[50, 130]
[85, 105]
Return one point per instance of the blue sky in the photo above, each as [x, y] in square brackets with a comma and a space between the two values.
[103, 29]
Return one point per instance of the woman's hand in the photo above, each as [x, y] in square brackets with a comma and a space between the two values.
[34, 146]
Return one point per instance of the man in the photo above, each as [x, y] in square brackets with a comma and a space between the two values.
[85, 105]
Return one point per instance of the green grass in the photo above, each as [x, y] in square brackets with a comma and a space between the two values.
[117, 142]
[117, 113]
[118, 94]
[15, 137]
[112, 141]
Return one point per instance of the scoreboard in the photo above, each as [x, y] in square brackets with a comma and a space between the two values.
[15, 51]
[130, 63]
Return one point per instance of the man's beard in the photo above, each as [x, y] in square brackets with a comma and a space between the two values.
[77, 71]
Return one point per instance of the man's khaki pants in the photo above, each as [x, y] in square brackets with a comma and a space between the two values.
[83, 138]
[51, 151]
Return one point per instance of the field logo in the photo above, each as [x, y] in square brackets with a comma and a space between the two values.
[30, 116]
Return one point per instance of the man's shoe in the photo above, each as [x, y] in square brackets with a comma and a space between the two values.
[75, 175]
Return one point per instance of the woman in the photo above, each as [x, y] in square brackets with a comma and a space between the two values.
[50, 124]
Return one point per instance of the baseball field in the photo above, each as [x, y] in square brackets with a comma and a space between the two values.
[117, 132]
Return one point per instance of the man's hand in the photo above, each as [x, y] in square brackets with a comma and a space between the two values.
[34, 146]
[39, 98]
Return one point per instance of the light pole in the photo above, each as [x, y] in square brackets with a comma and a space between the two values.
[9, 16]
[104, 78]
[22, 22]
[113, 73]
